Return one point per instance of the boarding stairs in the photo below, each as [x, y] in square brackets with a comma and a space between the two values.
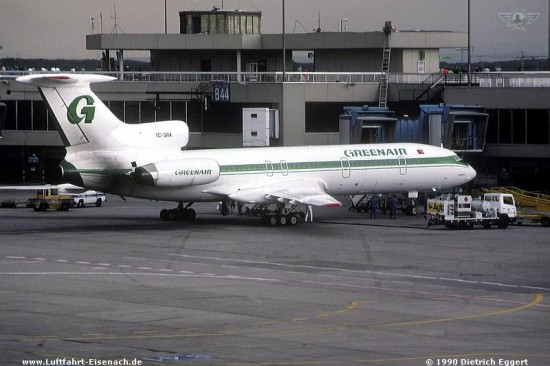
[429, 89]
[524, 198]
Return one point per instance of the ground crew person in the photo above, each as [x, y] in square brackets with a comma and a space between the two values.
[373, 206]
[393, 207]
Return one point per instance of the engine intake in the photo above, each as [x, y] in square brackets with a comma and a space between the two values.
[178, 173]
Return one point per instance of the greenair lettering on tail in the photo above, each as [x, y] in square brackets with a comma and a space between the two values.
[86, 112]
[375, 152]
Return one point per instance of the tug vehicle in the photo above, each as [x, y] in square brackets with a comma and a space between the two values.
[463, 212]
[50, 198]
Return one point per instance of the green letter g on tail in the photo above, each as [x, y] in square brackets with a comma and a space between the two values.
[86, 112]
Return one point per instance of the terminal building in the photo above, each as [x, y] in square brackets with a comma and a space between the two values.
[236, 86]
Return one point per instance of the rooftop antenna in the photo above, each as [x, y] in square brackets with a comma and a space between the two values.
[318, 30]
[116, 27]
[296, 22]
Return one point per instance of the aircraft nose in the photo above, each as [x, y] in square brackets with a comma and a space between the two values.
[471, 173]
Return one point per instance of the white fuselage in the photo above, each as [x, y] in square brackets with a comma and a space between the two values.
[353, 169]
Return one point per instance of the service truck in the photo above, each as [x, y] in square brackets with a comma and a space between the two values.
[50, 198]
[463, 212]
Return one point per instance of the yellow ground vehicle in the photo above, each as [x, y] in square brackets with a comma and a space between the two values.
[49, 198]
[542, 218]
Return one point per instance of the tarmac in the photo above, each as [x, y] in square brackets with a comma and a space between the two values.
[115, 285]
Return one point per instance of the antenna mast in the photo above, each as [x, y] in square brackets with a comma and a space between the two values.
[318, 30]
[116, 27]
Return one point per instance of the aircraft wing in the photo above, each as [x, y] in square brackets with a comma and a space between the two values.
[26, 188]
[62, 187]
[305, 191]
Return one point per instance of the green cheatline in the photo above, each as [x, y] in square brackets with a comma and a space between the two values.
[308, 166]
[337, 165]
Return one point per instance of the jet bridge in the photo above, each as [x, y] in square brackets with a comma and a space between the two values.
[3, 112]
[360, 125]
[460, 128]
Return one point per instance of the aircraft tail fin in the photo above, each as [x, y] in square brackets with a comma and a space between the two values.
[81, 116]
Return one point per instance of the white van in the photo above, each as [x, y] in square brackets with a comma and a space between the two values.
[88, 198]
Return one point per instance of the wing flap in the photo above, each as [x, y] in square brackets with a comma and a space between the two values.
[305, 191]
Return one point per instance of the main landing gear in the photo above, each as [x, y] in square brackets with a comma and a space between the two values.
[281, 216]
[280, 219]
[180, 213]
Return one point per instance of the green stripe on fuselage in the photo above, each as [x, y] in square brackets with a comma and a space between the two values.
[338, 165]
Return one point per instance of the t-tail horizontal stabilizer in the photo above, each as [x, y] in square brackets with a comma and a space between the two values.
[76, 108]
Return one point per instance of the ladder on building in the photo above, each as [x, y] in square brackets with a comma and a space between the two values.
[386, 54]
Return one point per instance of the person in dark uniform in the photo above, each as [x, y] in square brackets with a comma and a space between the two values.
[393, 207]
[373, 206]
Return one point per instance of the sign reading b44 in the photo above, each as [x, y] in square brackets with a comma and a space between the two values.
[221, 93]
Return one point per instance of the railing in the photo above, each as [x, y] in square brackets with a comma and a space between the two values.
[251, 77]
[514, 80]
[228, 77]
[483, 79]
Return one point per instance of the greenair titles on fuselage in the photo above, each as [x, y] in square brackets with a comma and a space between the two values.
[193, 172]
[375, 152]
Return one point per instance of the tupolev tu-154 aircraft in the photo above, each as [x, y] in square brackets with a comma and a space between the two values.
[150, 161]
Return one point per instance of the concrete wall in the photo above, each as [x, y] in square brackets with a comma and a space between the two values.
[499, 98]
[326, 60]
[293, 114]
[298, 41]
[411, 57]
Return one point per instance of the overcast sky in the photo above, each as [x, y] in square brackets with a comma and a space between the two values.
[57, 28]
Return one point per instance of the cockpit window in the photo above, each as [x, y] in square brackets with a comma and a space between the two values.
[457, 158]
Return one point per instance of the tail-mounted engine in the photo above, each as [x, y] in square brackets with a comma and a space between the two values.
[178, 173]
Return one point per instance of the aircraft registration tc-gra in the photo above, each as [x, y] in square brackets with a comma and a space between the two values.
[151, 161]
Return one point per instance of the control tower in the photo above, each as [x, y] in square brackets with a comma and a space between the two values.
[218, 21]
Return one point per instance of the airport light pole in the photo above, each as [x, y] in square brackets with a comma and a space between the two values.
[469, 48]
[284, 44]
[165, 19]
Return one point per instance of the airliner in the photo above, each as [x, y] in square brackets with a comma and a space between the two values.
[151, 161]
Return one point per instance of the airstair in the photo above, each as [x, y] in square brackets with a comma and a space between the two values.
[430, 89]
[525, 198]
[386, 54]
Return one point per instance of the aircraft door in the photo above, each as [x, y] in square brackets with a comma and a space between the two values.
[346, 171]
[402, 165]
[269, 168]
[284, 167]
